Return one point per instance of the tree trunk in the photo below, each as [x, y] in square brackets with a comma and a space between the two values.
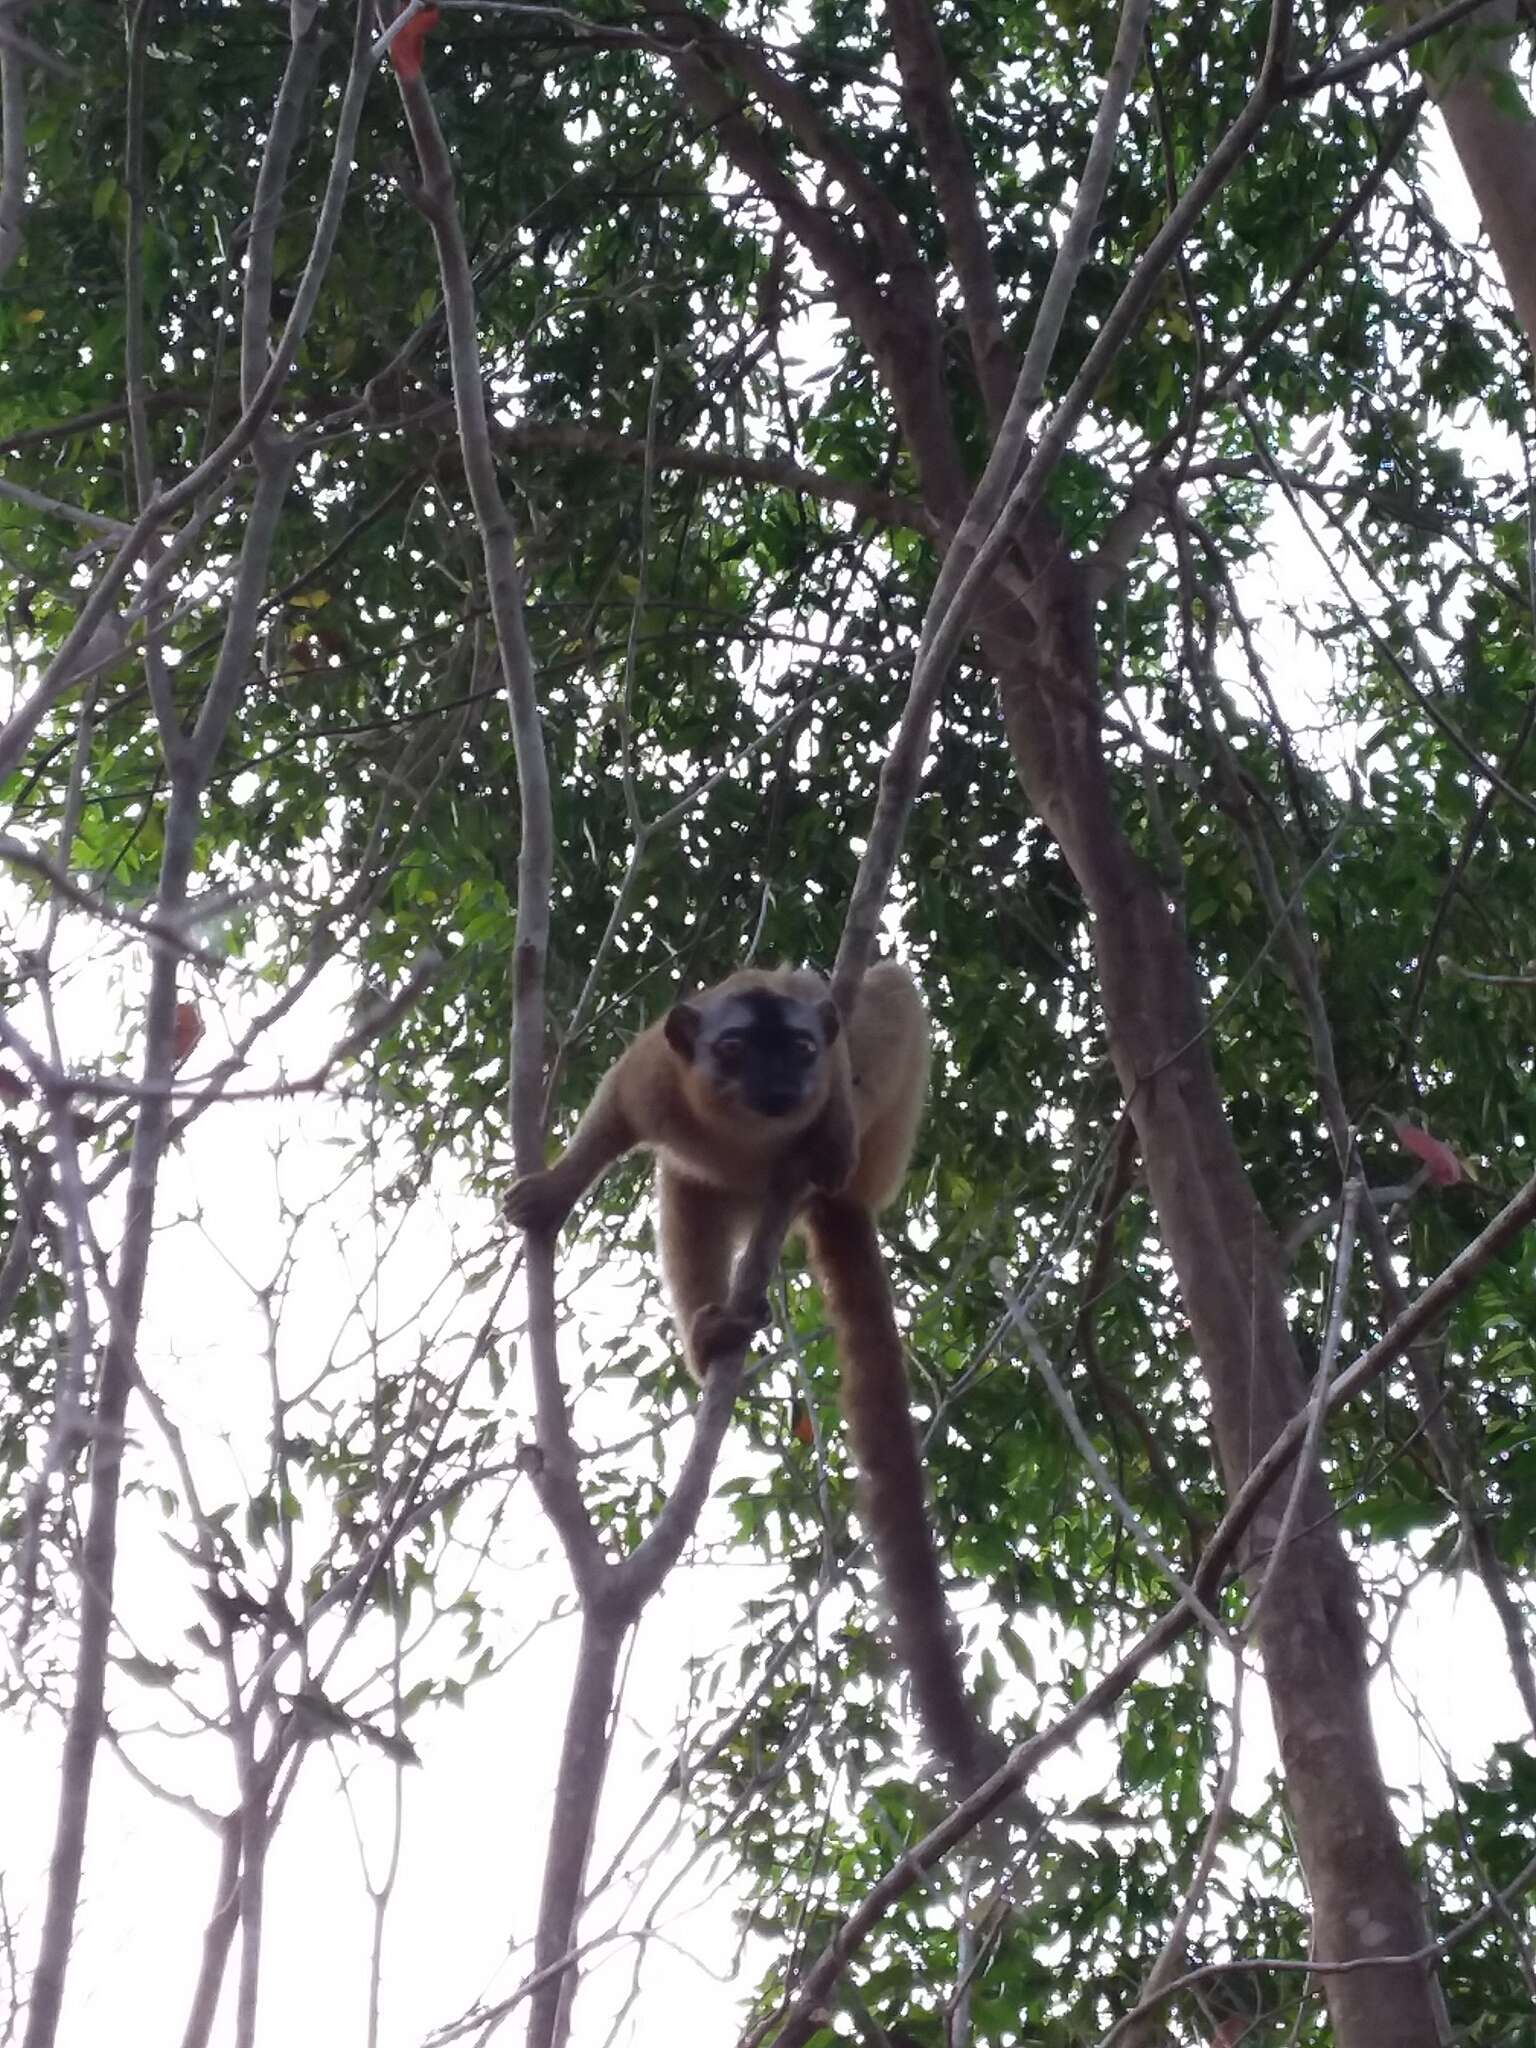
[1311, 1633]
[1495, 145]
[1038, 638]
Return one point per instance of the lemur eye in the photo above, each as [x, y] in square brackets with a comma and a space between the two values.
[729, 1047]
[806, 1049]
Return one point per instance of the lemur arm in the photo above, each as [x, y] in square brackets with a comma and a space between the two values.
[542, 1201]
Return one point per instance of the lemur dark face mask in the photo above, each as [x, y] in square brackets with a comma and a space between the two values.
[757, 1048]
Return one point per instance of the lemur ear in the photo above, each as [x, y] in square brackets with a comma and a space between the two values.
[831, 1023]
[681, 1030]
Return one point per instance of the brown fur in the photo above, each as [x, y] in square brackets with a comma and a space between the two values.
[837, 1160]
[718, 1165]
[845, 1255]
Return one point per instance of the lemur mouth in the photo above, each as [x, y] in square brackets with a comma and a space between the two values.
[776, 1105]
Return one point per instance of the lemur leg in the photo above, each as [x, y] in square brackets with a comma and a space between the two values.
[759, 1260]
[700, 1228]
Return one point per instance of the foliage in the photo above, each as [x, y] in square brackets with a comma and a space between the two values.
[722, 657]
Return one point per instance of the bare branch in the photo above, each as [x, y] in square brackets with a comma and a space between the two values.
[612, 1596]
[99, 416]
[957, 588]
[55, 508]
[899, 324]
[578, 1791]
[1492, 1908]
[1307, 1227]
[1166, 1965]
[153, 930]
[218, 1934]
[1449, 966]
[28, 48]
[1002, 506]
[139, 19]
[266, 209]
[881, 220]
[504, 585]
[1412, 688]
[34, 1188]
[1307, 1460]
[119, 1369]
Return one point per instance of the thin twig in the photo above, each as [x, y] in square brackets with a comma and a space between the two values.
[1348, 68]
[1141, 1536]
[1165, 1967]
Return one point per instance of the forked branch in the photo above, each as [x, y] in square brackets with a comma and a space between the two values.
[613, 1592]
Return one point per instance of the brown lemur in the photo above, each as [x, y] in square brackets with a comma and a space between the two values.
[758, 1104]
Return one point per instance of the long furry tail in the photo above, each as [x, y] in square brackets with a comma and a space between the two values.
[850, 1269]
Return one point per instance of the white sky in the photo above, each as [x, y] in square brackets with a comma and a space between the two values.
[475, 1812]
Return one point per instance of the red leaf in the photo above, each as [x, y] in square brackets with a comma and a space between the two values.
[1445, 1169]
[405, 50]
[189, 1029]
[800, 1429]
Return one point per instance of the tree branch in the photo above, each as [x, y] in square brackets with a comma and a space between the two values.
[943, 625]
[189, 772]
[218, 1933]
[612, 1595]
[1165, 1966]
[1347, 68]
[1001, 506]
[880, 219]
[1431, 1952]
[99, 416]
[1140, 1535]
[898, 325]
[504, 587]
[13, 147]
[1148, 499]
[583, 1764]
[926, 92]
[884, 507]
[56, 508]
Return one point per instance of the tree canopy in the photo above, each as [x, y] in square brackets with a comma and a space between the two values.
[1238, 729]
